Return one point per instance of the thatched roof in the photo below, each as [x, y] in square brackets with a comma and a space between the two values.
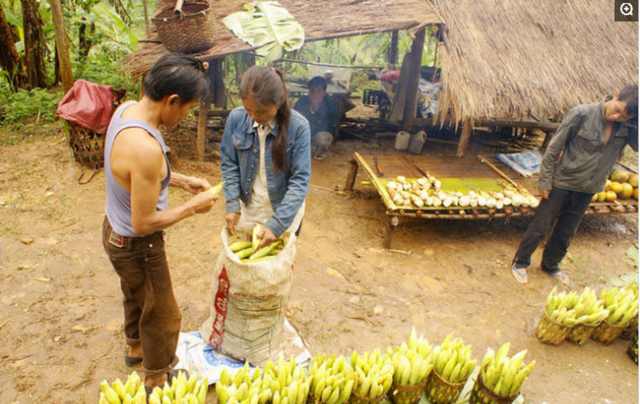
[321, 19]
[511, 58]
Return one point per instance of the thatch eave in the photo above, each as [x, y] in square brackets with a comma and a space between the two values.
[321, 20]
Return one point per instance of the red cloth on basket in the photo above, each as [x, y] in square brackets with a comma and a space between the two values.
[87, 104]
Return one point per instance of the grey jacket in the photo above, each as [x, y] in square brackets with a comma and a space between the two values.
[576, 158]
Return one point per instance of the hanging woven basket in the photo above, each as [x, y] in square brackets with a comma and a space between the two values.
[187, 27]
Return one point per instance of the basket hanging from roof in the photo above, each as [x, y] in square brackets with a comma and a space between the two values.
[188, 27]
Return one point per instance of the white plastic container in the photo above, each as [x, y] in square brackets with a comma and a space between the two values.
[402, 140]
[417, 142]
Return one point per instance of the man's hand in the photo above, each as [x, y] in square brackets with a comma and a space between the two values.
[196, 185]
[232, 220]
[204, 201]
[544, 193]
[267, 237]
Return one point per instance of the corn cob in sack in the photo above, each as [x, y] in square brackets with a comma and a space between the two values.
[249, 300]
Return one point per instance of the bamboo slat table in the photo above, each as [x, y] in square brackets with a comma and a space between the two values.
[457, 175]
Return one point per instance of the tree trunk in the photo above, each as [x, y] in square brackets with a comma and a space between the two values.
[62, 46]
[85, 42]
[9, 56]
[35, 48]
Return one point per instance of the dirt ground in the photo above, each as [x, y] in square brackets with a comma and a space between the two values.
[60, 303]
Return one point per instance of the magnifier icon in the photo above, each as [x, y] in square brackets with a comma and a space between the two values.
[626, 9]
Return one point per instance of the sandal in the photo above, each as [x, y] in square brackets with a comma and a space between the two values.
[560, 276]
[519, 274]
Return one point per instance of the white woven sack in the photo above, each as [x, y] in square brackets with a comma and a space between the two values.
[249, 303]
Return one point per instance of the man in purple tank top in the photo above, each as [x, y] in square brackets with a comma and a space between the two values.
[138, 176]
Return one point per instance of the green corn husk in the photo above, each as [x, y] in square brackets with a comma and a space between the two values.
[551, 332]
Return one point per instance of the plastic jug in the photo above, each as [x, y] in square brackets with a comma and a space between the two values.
[402, 140]
[417, 142]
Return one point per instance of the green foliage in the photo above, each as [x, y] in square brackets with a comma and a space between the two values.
[24, 104]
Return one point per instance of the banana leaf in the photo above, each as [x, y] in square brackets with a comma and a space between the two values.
[268, 26]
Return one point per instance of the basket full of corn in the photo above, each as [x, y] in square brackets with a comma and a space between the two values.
[412, 366]
[500, 378]
[622, 304]
[452, 366]
[558, 317]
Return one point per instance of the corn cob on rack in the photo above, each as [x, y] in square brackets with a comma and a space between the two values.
[427, 192]
[503, 375]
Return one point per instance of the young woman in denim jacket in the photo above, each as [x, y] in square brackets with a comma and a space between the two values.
[266, 157]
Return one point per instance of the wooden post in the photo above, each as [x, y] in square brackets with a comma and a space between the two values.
[393, 51]
[201, 131]
[351, 176]
[411, 105]
[464, 138]
[388, 235]
[404, 106]
[146, 17]
[62, 46]
[216, 76]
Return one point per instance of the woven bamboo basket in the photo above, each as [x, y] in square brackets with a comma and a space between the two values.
[551, 332]
[356, 398]
[407, 394]
[632, 351]
[439, 391]
[87, 146]
[580, 333]
[193, 29]
[631, 330]
[481, 394]
[606, 333]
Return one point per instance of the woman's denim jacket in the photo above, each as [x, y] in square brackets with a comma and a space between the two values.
[240, 152]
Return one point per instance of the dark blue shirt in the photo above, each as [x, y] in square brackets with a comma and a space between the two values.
[322, 120]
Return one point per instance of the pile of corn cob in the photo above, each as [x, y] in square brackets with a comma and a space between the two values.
[426, 191]
[374, 375]
[241, 387]
[622, 304]
[180, 391]
[503, 375]
[411, 362]
[331, 379]
[132, 391]
[452, 360]
[247, 250]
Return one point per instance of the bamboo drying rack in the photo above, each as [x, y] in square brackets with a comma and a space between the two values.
[442, 167]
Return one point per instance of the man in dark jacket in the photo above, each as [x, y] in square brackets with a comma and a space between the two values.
[574, 167]
[320, 110]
